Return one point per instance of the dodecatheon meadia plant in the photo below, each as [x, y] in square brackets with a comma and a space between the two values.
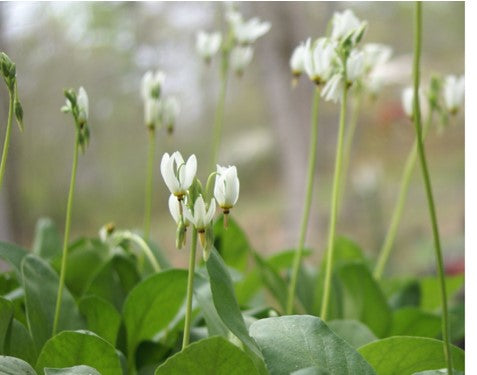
[8, 71]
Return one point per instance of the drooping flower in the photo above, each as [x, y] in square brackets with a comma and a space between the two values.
[151, 84]
[454, 88]
[297, 60]
[151, 112]
[169, 110]
[227, 187]
[375, 54]
[201, 216]
[354, 66]
[240, 57]
[408, 102]
[334, 88]
[318, 59]
[178, 175]
[208, 44]
[83, 106]
[175, 208]
[346, 24]
[247, 32]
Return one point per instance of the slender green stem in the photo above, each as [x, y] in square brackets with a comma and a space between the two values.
[308, 198]
[69, 208]
[6, 143]
[348, 142]
[387, 246]
[190, 289]
[144, 247]
[149, 182]
[219, 120]
[428, 187]
[334, 207]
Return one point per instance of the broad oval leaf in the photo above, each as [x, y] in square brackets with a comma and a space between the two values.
[19, 343]
[75, 370]
[232, 243]
[405, 355]
[41, 290]
[152, 305]
[74, 348]
[211, 356]
[353, 332]
[14, 255]
[15, 366]
[411, 321]
[363, 299]
[102, 317]
[294, 342]
[47, 242]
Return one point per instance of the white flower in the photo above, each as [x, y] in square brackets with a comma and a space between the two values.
[207, 44]
[354, 66]
[318, 58]
[333, 88]
[408, 102]
[151, 111]
[151, 84]
[297, 60]
[454, 88]
[83, 105]
[227, 187]
[169, 109]
[376, 54]
[249, 31]
[344, 24]
[178, 175]
[175, 209]
[202, 216]
[240, 57]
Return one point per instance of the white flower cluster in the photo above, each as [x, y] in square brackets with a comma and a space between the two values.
[186, 202]
[445, 96]
[238, 45]
[336, 60]
[158, 110]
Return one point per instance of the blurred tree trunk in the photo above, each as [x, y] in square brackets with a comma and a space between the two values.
[290, 108]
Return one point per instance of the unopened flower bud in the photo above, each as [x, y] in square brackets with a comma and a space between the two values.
[181, 234]
[19, 113]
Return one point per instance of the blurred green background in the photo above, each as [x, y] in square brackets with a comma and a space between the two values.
[107, 47]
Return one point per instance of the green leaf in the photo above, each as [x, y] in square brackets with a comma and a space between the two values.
[73, 348]
[363, 299]
[431, 291]
[284, 259]
[102, 317]
[411, 321]
[212, 356]
[225, 301]
[404, 355]
[75, 370]
[152, 305]
[47, 242]
[114, 280]
[232, 244]
[18, 343]
[14, 255]
[15, 366]
[41, 289]
[6, 315]
[408, 295]
[294, 342]
[310, 371]
[353, 332]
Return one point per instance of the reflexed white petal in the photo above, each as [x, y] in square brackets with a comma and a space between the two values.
[146, 84]
[240, 57]
[407, 101]
[178, 158]
[199, 213]
[219, 190]
[355, 66]
[211, 212]
[454, 90]
[344, 23]
[174, 208]
[297, 59]
[188, 215]
[190, 171]
[333, 88]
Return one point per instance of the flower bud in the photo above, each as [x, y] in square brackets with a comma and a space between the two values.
[181, 234]
[18, 113]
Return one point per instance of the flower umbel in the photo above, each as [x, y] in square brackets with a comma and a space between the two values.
[178, 175]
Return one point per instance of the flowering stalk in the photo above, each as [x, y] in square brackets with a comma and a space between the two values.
[308, 198]
[334, 204]
[385, 251]
[69, 207]
[219, 112]
[348, 142]
[149, 182]
[6, 143]
[190, 288]
[428, 187]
